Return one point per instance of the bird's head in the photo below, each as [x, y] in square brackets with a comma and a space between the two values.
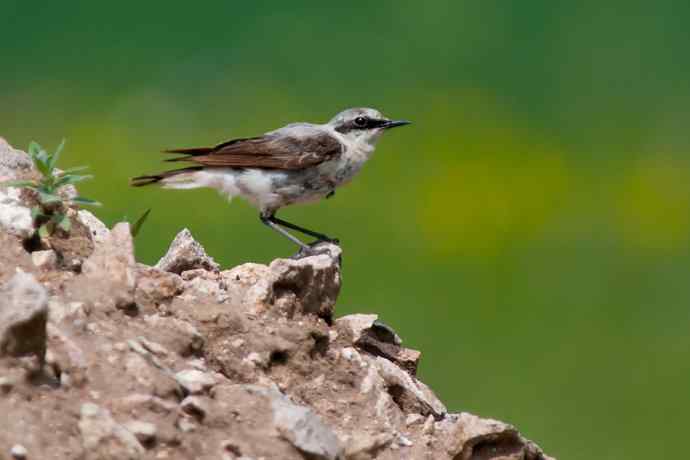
[363, 124]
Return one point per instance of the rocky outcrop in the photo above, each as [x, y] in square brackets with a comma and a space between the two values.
[113, 359]
[23, 317]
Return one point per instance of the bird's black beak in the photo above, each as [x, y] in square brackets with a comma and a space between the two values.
[393, 123]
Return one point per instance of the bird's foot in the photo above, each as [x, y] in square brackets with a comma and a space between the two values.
[316, 248]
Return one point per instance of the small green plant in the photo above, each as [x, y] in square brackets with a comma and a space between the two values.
[136, 226]
[50, 212]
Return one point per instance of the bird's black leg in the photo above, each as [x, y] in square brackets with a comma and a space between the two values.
[267, 220]
[317, 235]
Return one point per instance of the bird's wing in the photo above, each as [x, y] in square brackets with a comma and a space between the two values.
[288, 150]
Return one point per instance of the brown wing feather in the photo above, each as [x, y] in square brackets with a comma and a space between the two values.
[267, 152]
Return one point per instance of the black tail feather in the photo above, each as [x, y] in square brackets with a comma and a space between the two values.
[187, 158]
[140, 181]
[191, 151]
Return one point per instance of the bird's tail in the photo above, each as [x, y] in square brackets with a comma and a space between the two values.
[191, 152]
[177, 178]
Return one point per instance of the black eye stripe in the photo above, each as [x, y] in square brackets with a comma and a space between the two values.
[359, 123]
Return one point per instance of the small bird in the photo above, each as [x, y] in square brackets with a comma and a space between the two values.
[298, 163]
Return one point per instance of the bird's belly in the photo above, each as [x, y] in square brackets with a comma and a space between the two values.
[291, 187]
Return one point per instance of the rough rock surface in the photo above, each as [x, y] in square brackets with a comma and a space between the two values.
[23, 317]
[14, 163]
[246, 363]
[110, 271]
[185, 253]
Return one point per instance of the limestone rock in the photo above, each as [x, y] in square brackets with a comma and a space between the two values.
[15, 216]
[46, 260]
[312, 283]
[175, 334]
[204, 286]
[99, 232]
[23, 317]
[356, 324]
[145, 432]
[185, 253]
[251, 285]
[15, 213]
[194, 381]
[467, 436]
[365, 447]
[155, 286]
[196, 406]
[301, 426]
[309, 285]
[409, 393]
[373, 336]
[14, 164]
[18, 452]
[241, 364]
[110, 270]
[104, 438]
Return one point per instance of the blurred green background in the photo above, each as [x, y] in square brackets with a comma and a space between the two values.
[530, 232]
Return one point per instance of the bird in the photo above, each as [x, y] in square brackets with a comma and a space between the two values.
[298, 163]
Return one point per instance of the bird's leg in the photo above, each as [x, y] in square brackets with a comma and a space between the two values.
[305, 250]
[319, 236]
[267, 220]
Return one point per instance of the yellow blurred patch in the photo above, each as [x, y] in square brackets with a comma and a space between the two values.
[481, 205]
[653, 205]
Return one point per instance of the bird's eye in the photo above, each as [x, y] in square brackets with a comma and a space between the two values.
[360, 121]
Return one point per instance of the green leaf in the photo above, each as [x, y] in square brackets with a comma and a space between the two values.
[85, 201]
[18, 183]
[70, 179]
[73, 170]
[36, 212]
[63, 222]
[136, 227]
[43, 231]
[56, 155]
[46, 188]
[48, 198]
[42, 163]
[34, 148]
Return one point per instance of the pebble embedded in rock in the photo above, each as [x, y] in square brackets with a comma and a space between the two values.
[194, 381]
[18, 452]
[145, 432]
[196, 406]
[6, 384]
[301, 426]
[155, 348]
[185, 424]
[46, 260]
[413, 419]
[414, 395]
[103, 437]
[356, 324]
[156, 287]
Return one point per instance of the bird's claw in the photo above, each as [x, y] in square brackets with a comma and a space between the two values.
[314, 249]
